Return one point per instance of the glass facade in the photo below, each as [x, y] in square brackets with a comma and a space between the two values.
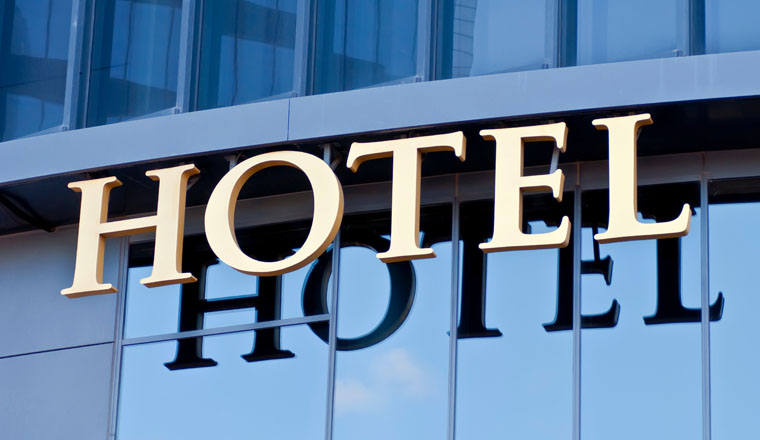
[621, 340]
[135, 55]
[362, 44]
[479, 37]
[247, 51]
[34, 52]
[152, 57]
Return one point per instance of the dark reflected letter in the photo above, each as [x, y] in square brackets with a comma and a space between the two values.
[314, 300]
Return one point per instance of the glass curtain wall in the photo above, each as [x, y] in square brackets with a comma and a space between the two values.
[34, 49]
[135, 56]
[622, 30]
[734, 280]
[365, 43]
[248, 51]
[731, 25]
[478, 37]
[641, 373]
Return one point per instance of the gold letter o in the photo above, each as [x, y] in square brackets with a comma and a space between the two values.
[328, 212]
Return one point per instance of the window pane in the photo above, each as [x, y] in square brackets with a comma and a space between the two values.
[478, 37]
[247, 51]
[134, 59]
[641, 345]
[222, 296]
[623, 30]
[734, 361]
[731, 25]
[364, 43]
[234, 400]
[515, 348]
[392, 374]
[34, 45]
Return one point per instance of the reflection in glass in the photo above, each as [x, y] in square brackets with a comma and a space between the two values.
[623, 30]
[222, 296]
[734, 361]
[731, 26]
[34, 45]
[247, 51]
[395, 385]
[514, 374]
[134, 59]
[641, 366]
[273, 399]
[365, 43]
[478, 37]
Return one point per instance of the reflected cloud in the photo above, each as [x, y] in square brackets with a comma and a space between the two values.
[394, 372]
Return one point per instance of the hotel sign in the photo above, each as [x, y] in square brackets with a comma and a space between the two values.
[510, 184]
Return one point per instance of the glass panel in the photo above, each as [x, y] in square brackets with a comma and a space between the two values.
[222, 296]
[271, 399]
[247, 51]
[623, 30]
[34, 48]
[641, 338]
[515, 348]
[478, 37]
[134, 59]
[392, 372]
[734, 361]
[360, 44]
[731, 25]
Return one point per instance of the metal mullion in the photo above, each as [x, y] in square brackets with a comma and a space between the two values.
[333, 327]
[225, 330]
[453, 312]
[75, 65]
[705, 315]
[186, 67]
[577, 310]
[118, 335]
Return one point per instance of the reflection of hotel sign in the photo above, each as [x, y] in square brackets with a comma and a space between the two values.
[168, 222]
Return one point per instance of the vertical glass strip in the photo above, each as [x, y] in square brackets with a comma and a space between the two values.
[367, 43]
[135, 59]
[34, 51]
[247, 51]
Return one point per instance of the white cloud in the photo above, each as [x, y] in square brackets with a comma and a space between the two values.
[400, 370]
[390, 375]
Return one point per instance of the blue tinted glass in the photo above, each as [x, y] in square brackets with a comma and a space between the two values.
[734, 358]
[641, 369]
[156, 310]
[478, 37]
[392, 385]
[516, 383]
[234, 400]
[34, 44]
[364, 43]
[731, 25]
[247, 51]
[134, 59]
[623, 30]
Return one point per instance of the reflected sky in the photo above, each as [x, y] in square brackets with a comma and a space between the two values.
[640, 381]
[276, 399]
[155, 311]
[518, 385]
[734, 359]
[398, 388]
